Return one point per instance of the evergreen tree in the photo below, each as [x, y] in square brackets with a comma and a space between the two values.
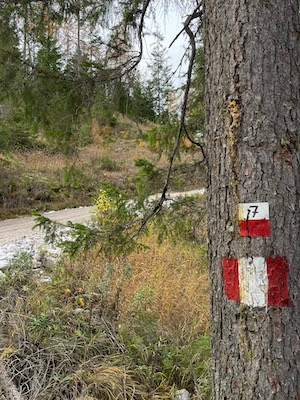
[55, 85]
[159, 83]
[11, 67]
[14, 131]
[141, 105]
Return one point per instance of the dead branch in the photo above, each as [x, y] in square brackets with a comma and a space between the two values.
[198, 144]
[140, 35]
[196, 14]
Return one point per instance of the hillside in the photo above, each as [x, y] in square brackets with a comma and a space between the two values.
[45, 179]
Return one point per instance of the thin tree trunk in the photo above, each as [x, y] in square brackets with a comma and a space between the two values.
[253, 120]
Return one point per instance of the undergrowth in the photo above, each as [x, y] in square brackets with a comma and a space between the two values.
[133, 327]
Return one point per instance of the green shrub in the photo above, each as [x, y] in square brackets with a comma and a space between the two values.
[105, 163]
[74, 178]
[19, 274]
[15, 132]
[19, 188]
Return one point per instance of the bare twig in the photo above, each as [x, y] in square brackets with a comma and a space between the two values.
[198, 144]
[140, 35]
[112, 336]
[195, 14]
[178, 66]
[135, 60]
[159, 204]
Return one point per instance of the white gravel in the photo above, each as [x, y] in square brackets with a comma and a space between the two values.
[17, 235]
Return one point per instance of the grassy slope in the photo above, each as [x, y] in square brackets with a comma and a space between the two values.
[46, 180]
[133, 327]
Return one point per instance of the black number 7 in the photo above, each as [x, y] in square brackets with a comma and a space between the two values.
[254, 212]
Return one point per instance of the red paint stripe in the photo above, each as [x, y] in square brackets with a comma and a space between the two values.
[255, 227]
[231, 278]
[278, 291]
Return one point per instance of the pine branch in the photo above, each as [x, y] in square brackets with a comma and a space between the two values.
[136, 59]
[115, 73]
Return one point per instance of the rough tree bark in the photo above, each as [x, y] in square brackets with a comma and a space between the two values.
[253, 120]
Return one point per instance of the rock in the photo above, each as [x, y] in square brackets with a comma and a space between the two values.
[79, 310]
[12, 249]
[4, 264]
[2, 254]
[182, 394]
[54, 252]
[44, 255]
[46, 279]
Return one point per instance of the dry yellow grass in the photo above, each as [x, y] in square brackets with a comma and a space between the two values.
[40, 161]
[178, 277]
[124, 151]
[122, 146]
[80, 293]
[168, 281]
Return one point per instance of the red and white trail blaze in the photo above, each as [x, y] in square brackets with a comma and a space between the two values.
[256, 281]
[254, 219]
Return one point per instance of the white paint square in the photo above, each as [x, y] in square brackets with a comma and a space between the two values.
[253, 211]
[253, 281]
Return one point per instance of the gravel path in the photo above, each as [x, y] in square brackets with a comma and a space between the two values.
[16, 235]
[13, 229]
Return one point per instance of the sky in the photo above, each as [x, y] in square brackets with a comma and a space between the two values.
[169, 25]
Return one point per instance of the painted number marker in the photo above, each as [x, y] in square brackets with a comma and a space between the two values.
[254, 219]
[256, 281]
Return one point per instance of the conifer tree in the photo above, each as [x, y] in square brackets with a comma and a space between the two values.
[159, 83]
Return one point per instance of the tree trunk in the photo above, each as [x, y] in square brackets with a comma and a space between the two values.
[253, 119]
